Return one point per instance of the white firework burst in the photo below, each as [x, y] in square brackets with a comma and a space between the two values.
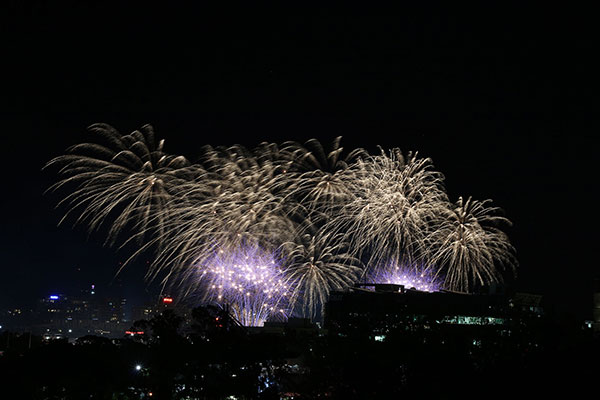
[470, 245]
[128, 180]
[397, 200]
[319, 262]
[237, 204]
[320, 179]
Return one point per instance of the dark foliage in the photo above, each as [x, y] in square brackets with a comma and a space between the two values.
[213, 358]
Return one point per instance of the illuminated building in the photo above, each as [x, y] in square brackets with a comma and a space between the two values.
[377, 310]
[87, 313]
[144, 312]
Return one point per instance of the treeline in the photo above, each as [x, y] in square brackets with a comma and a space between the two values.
[210, 357]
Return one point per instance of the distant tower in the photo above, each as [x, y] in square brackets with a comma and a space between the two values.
[596, 312]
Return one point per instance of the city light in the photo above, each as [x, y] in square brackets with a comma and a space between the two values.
[138, 367]
[167, 300]
[54, 297]
[132, 333]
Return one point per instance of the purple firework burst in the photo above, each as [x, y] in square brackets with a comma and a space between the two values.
[417, 277]
[250, 282]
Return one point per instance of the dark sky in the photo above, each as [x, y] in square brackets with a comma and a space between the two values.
[502, 103]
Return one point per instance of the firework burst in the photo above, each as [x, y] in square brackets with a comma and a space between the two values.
[237, 203]
[397, 200]
[247, 280]
[319, 262]
[409, 276]
[320, 178]
[128, 179]
[472, 246]
[273, 229]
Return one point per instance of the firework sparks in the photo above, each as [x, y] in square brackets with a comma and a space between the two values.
[471, 245]
[129, 179]
[397, 201]
[249, 281]
[215, 225]
[319, 175]
[319, 262]
[236, 204]
[417, 277]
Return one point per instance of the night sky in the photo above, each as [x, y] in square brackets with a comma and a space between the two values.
[502, 103]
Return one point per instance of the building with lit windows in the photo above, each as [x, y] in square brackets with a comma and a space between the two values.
[87, 313]
[379, 310]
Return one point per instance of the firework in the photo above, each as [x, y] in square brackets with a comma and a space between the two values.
[247, 280]
[397, 201]
[319, 175]
[271, 230]
[472, 246]
[128, 179]
[236, 204]
[415, 276]
[319, 262]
